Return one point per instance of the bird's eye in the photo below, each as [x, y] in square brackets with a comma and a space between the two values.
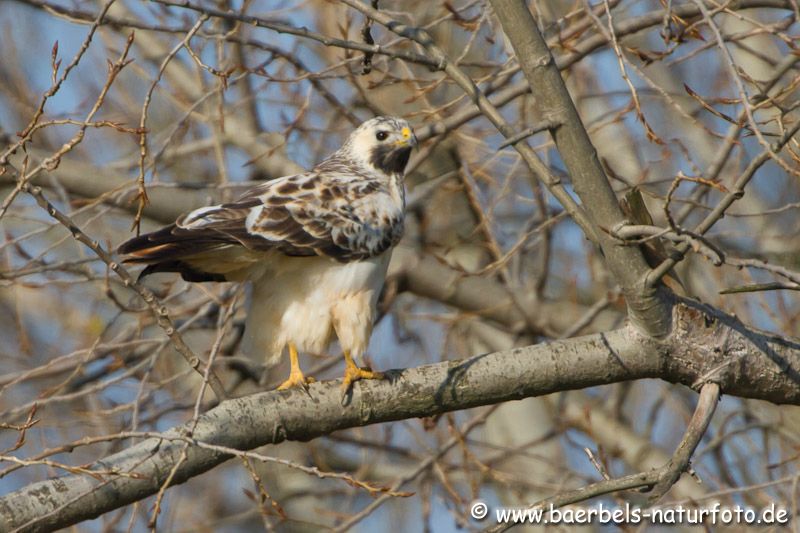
[381, 135]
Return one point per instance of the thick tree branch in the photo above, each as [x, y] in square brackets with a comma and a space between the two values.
[647, 310]
[705, 346]
[274, 417]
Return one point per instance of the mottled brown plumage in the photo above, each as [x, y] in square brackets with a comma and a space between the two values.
[315, 245]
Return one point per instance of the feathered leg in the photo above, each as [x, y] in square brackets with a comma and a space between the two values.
[296, 377]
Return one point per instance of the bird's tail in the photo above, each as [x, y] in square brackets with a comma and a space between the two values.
[172, 250]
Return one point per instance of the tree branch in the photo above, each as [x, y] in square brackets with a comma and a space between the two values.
[705, 346]
[647, 310]
[659, 480]
[273, 417]
[679, 463]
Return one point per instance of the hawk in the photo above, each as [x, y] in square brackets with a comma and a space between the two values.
[315, 247]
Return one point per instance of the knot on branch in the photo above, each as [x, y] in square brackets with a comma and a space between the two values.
[703, 344]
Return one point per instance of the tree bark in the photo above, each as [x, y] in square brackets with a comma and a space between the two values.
[705, 345]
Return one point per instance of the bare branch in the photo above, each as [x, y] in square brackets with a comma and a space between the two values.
[273, 417]
[647, 310]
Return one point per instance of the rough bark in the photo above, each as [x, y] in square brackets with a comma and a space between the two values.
[705, 346]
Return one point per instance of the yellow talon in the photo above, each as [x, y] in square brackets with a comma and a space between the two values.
[353, 373]
[296, 377]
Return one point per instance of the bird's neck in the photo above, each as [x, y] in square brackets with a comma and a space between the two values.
[397, 190]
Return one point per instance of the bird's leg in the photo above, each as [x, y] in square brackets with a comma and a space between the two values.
[354, 373]
[296, 377]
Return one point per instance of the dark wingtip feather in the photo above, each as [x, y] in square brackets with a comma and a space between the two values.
[187, 272]
[129, 246]
[141, 244]
[149, 269]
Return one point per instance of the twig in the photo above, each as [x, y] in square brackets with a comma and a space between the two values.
[677, 465]
[281, 27]
[159, 311]
[544, 126]
[366, 34]
[25, 134]
[661, 480]
[758, 287]
[141, 196]
[735, 193]
[422, 467]
[539, 169]
[51, 163]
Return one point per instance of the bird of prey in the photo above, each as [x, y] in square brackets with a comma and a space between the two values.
[315, 246]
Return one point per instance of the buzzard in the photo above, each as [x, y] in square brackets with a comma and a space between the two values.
[315, 247]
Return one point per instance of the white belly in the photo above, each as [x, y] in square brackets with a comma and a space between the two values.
[305, 299]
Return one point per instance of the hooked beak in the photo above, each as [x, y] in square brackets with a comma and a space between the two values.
[409, 139]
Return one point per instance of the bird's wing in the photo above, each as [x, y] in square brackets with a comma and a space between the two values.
[340, 219]
[300, 215]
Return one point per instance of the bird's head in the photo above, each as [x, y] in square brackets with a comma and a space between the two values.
[382, 143]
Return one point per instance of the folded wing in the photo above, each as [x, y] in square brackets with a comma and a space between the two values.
[299, 215]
